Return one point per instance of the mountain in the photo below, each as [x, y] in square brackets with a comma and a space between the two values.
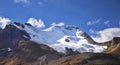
[24, 44]
[59, 37]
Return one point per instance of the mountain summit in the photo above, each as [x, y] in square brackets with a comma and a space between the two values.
[57, 37]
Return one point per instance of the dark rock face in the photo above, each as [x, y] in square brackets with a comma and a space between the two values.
[67, 40]
[88, 38]
[28, 24]
[115, 40]
[11, 35]
[71, 27]
[19, 24]
[69, 51]
[0, 29]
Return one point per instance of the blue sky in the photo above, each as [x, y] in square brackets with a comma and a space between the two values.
[86, 14]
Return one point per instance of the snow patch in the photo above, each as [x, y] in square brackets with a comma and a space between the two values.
[9, 49]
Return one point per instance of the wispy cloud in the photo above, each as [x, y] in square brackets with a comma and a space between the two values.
[106, 34]
[107, 23]
[42, 4]
[92, 31]
[89, 23]
[26, 2]
[37, 23]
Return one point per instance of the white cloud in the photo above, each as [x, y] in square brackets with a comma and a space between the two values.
[59, 24]
[89, 23]
[22, 1]
[4, 22]
[107, 34]
[107, 23]
[37, 23]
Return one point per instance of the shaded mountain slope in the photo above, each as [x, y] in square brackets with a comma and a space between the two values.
[11, 35]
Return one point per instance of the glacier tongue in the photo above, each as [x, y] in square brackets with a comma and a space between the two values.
[60, 37]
